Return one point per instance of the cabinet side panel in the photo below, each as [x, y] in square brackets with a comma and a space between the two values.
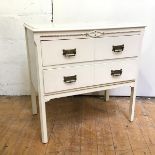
[31, 52]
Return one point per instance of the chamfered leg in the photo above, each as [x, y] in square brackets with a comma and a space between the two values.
[43, 123]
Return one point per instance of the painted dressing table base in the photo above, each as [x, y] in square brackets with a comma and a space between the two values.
[65, 61]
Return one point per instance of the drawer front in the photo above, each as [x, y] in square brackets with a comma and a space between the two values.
[115, 71]
[66, 78]
[114, 47]
[67, 51]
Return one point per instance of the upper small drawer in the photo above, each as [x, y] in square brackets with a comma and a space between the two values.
[67, 51]
[113, 47]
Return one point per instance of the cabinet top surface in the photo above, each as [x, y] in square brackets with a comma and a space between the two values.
[79, 26]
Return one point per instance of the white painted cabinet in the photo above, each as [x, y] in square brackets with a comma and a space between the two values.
[65, 61]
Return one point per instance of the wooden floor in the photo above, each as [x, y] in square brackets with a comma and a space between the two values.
[80, 125]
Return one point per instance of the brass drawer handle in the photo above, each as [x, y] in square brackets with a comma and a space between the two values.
[116, 72]
[69, 52]
[70, 79]
[118, 48]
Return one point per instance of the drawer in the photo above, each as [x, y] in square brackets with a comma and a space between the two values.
[113, 47]
[67, 51]
[66, 78]
[115, 71]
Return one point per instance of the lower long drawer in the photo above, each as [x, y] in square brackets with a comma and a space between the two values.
[115, 71]
[95, 73]
[65, 78]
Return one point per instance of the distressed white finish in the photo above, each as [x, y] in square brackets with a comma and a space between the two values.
[54, 75]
